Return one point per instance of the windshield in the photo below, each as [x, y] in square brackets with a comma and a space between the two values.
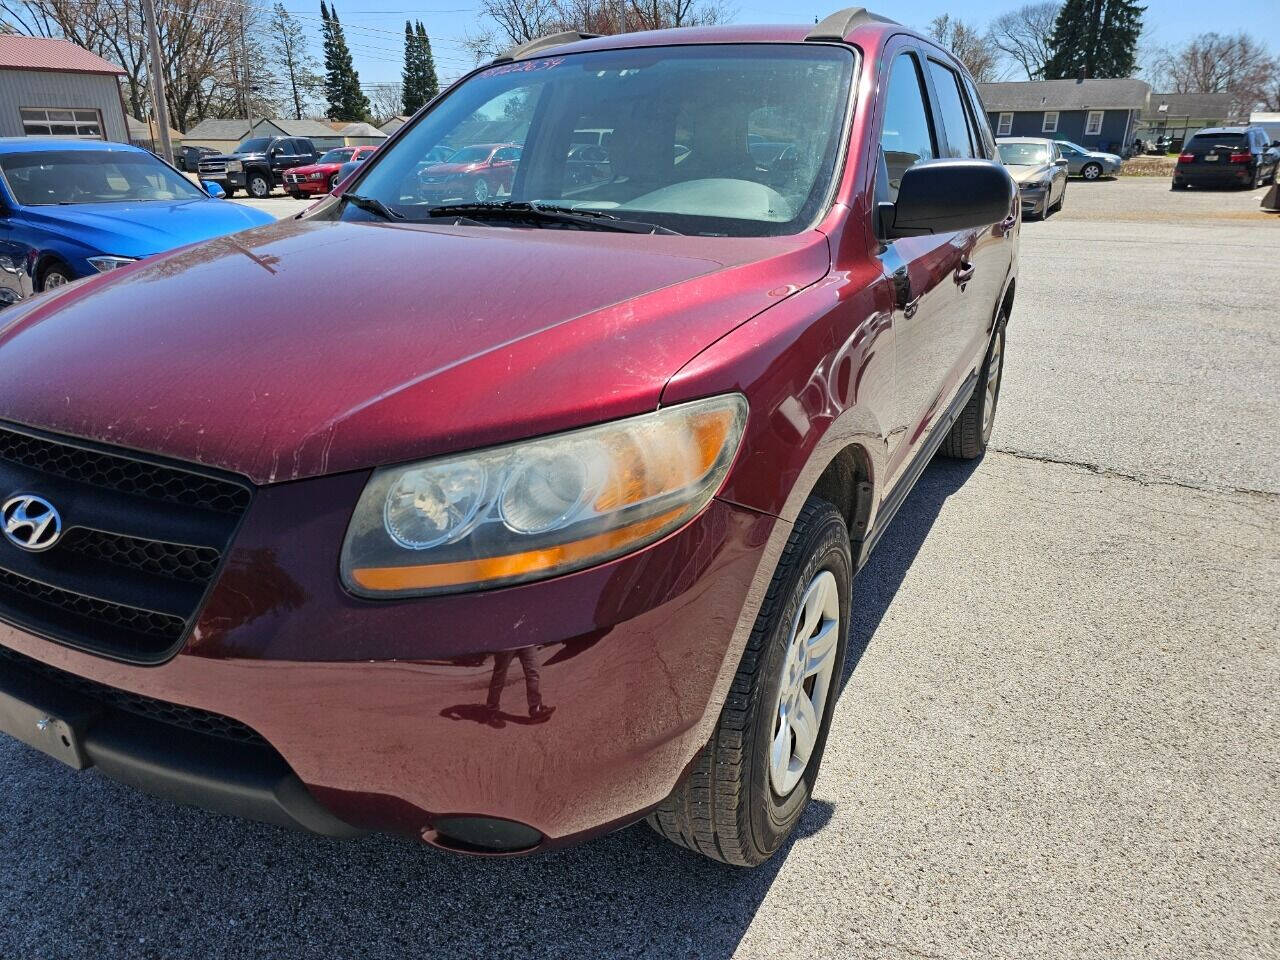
[717, 140]
[336, 156]
[1024, 154]
[92, 176]
[1066, 146]
[256, 145]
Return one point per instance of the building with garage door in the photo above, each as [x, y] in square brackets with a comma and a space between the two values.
[55, 88]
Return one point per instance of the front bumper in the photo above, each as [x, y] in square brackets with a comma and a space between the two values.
[1033, 199]
[381, 708]
[308, 187]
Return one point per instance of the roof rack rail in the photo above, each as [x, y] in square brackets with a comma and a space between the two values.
[837, 26]
[539, 44]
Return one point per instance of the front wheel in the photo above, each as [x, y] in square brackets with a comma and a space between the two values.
[258, 185]
[749, 786]
[971, 432]
[480, 191]
[1091, 171]
[55, 276]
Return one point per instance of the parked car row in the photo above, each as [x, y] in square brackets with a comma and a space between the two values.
[323, 176]
[258, 165]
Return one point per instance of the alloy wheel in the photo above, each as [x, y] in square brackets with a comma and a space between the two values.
[259, 187]
[54, 278]
[1091, 171]
[808, 667]
[481, 191]
[992, 387]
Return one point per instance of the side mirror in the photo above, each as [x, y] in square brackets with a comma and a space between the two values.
[213, 189]
[940, 196]
[1060, 162]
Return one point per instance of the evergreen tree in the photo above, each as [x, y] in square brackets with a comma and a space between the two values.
[342, 90]
[420, 81]
[1094, 38]
[430, 82]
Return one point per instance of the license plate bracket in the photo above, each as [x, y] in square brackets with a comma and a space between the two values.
[52, 720]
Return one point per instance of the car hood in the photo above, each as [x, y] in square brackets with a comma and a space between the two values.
[317, 168]
[141, 229]
[1024, 173]
[309, 347]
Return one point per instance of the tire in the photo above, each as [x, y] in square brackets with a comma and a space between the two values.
[480, 190]
[1091, 171]
[1179, 186]
[1061, 200]
[971, 432]
[333, 183]
[298, 196]
[53, 276]
[258, 185]
[229, 190]
[730, 807]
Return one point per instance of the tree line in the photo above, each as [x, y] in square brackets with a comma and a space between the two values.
[227, 59]
[1103, 38]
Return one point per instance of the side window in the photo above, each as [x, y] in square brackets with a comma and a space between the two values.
[955, 121]
[907, 136]
[978, 115]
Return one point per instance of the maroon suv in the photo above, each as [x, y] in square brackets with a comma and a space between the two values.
[504, 524]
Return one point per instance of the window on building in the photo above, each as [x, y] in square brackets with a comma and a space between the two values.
[1004, 126]
[1050, 122]
[1093, 125]
[74, 124]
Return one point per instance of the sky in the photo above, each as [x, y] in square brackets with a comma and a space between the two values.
[375, 28]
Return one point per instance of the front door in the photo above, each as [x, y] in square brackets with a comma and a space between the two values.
[922, 270]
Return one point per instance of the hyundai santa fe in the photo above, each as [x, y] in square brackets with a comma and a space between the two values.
[502, 524]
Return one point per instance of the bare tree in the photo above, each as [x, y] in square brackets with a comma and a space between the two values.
[511, 22]
[1212, 63]
[387, 100]
[975, 50]
[1023, 36]
[299, 70]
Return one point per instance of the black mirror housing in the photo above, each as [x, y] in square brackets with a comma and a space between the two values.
[939, 196]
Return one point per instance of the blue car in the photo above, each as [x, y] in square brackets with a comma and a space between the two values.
[73, 208]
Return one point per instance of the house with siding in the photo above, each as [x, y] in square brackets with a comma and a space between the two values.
[1097, 114]
[1179, 115]
[54, 88]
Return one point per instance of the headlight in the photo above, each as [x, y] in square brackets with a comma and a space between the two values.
[1036, 184]
[103, 264]
[233, 165]
[534, 509]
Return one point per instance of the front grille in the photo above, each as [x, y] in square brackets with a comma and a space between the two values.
[142, 541]
[213, 166]
[189, 718]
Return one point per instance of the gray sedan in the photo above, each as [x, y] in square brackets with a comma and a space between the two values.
[1090, 164]
[1039, 169]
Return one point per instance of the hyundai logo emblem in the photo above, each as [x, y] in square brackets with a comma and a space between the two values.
[30, 522]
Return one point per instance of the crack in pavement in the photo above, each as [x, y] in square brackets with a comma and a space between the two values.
[1146, 481]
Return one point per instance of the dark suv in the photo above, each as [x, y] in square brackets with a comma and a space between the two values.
[504, 524]
[1227, 157]
[258, 164]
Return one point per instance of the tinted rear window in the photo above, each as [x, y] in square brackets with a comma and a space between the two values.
[1205, 142]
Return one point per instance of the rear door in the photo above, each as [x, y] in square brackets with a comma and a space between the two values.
[921, 269]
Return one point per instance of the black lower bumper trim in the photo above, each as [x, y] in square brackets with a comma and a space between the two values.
[240, 779]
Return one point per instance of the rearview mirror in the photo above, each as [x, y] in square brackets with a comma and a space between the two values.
[213, 189]
[939, 196]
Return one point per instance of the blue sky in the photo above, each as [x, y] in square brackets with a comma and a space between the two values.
[375, 28]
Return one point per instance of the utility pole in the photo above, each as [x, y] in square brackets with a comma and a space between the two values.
[158, 109]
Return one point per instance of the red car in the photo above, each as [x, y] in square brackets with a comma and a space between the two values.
[323, 175]
[501, 525]
[475, 172]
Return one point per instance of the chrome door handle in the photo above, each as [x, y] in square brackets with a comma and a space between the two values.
[964, 273]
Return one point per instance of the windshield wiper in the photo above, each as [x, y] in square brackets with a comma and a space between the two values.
[548, 213]
[373, 205]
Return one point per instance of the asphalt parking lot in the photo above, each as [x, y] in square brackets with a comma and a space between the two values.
[1058, 737]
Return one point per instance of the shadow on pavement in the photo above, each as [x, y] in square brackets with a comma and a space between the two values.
[91, 869]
